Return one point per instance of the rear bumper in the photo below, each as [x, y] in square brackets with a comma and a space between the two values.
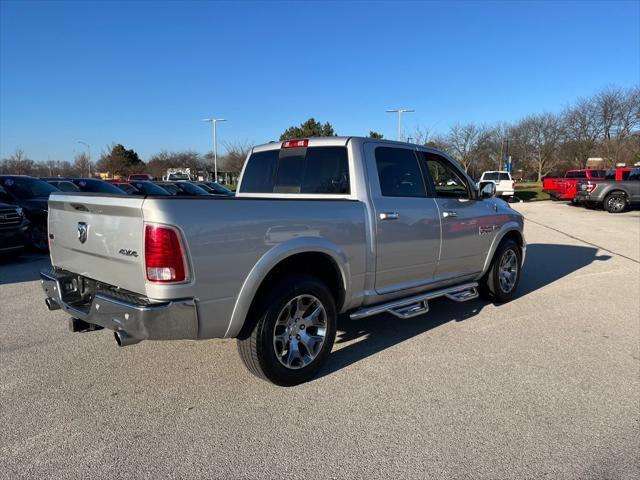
[505, 193]
[177, 319]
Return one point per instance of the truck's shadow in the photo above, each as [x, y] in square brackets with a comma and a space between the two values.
[544, 264]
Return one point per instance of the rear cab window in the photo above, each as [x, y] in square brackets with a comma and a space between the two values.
[319, 170]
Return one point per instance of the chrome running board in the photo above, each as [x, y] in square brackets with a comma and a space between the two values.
[418, 304]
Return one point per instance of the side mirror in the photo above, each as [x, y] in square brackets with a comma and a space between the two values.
[487, 190]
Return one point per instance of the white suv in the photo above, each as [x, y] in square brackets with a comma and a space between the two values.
[505, 186]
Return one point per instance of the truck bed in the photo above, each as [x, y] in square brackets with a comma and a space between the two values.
[228, 237]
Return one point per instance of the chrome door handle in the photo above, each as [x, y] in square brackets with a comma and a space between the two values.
[389, 215]
[449, 214]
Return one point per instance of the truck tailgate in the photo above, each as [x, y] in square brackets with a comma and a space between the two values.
[100, 237]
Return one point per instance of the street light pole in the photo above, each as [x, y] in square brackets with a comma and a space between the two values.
[400, 111]
[214, 121]
[89, 150]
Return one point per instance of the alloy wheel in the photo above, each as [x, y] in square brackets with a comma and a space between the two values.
[300, 331]
[508, 271]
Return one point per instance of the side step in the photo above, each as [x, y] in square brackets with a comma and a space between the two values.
[419, 304]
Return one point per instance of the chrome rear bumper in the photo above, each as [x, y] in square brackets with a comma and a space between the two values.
[142, 320]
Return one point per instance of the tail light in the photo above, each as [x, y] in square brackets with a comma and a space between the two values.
[295, 143]
[587, 187]
[164, 255]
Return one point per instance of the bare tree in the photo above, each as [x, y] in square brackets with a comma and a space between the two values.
[82, 165]
[583, 130]
[422, 136]
[464, 143]
[236, 155]
[18, 163]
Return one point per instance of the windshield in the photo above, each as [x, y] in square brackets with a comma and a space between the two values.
[191, 189]
[149, 188]
[217, 188]
[97, 186]
[65, 186]
[599, 173]
[125, 187]
[25, 187]
[141, 176]
[178, 176]
[169, 187]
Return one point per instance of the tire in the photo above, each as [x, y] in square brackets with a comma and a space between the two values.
[38, 237]
[491, 288]
[615, 203]
[268, 353]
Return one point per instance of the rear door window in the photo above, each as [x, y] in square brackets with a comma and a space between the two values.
[313, 170]
[399, 173]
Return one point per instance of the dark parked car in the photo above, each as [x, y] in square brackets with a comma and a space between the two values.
[95, 185]
[183, 188]
[32, 194]
[62, 184]
[215, 189]
[14, 229]
[149, 188]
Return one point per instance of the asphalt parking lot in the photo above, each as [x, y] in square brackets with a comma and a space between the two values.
[547, 386]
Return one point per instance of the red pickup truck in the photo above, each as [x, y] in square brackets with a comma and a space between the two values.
[565, 188]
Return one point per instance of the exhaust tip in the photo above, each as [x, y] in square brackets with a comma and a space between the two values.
[51, 304]
[123, 339]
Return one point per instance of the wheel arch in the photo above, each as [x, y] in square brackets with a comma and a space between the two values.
[303, 255]
[511, 231]
[617, 191]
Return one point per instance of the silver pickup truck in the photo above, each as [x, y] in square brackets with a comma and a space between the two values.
[319, 227]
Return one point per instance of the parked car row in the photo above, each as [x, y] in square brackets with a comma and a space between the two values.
[615, 190]
[24, 202]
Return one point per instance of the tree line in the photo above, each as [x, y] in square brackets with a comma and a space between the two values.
[605, 125]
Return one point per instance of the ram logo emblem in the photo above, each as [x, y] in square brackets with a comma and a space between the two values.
[83, 228]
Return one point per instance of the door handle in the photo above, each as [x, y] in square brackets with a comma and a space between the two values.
[389, 215]
[449, 214]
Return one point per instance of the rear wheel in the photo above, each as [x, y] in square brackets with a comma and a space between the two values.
[294, 333]
[501, 281]
[615, 203]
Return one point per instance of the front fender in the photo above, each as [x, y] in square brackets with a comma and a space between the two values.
[509, 226]
[272, 258]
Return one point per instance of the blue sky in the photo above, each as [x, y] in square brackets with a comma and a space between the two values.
[145, 74]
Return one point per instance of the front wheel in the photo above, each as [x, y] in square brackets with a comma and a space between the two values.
[38, 237]
[615, 203]
[500, 282]
[294, 332]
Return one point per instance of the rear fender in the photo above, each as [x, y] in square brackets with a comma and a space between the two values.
[272, 258]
